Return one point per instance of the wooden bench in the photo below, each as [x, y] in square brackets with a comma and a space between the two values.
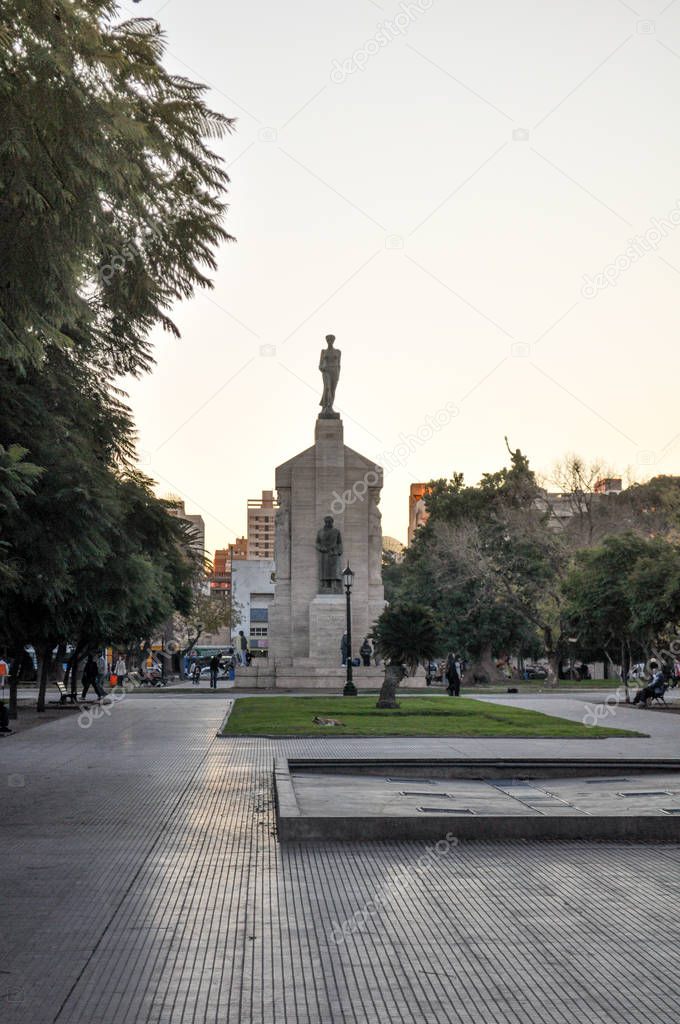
[65, 696]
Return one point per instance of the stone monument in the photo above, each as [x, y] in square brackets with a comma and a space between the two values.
[328, 516]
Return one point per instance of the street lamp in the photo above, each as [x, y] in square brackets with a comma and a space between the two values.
[350, 689]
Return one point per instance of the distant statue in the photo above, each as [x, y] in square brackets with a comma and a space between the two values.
[420, 512]
[329, 364]
[329, 546]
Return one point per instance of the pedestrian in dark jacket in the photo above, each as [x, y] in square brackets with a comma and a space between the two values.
[366, 651]
[451, 676]
[214, 669]
[91, 677]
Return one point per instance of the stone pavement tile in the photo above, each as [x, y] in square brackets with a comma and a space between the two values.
[165, 898]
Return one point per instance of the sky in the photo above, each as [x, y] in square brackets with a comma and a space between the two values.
[481, 201]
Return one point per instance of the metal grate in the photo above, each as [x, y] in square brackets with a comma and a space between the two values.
[445, 810]
[646, 792]
[416, 792]
[419, 782]
[596, 782]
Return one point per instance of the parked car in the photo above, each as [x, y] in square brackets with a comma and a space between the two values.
[535, 672]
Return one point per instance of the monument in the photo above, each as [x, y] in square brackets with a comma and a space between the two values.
[328, 516]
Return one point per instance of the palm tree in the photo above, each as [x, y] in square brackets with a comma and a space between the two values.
[403, 635]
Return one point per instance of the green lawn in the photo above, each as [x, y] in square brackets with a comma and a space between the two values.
[417, 716]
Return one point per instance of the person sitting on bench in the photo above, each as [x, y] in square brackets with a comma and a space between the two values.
[656, 687]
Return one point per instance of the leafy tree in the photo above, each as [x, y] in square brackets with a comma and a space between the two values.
[17, 476]
[489, 564]
[110, 200]
[94, 555]
[622, 595]
[110, 208]
[404, 636]
[390, 574]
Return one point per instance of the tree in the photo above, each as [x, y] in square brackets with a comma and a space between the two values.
[94, 555]
[592, 514]
[17, 477]
[622, 595]
[404, 636]
[110, 208]
[110, 200]
[207, 614]
[489, 564]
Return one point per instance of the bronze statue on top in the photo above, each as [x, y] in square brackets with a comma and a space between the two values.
[329, 364]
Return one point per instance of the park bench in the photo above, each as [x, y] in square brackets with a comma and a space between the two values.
[65, 696]
[646, 695]
[658, 693]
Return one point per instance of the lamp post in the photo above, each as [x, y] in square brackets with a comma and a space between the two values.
[350, 689]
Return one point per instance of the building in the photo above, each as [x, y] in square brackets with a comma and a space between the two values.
[261, 525]
[197, 542]
[417, 512]
[252, 595]
[238, 551]
[608, 485]
[220, 579]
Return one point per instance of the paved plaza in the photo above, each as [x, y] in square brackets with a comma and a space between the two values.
[142, 883]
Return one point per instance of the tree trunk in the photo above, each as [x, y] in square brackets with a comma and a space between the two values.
[388, 693]
[483, 669]
[553, 673]
[44, 676]
[73, 667]
[552, 656]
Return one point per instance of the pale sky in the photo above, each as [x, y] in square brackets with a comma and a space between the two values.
[431, 191]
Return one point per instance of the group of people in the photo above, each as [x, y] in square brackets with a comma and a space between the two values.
[194, 665]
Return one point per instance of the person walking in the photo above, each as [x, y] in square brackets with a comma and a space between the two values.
[103, 668]
[120, 671]
[214, 669]
[366, 652]
[196, 673]
[451, 676]
[91, 678]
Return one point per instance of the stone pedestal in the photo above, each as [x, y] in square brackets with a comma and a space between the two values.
[329, 478]
[327, 619]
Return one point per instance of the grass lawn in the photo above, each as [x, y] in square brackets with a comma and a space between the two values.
[417, 716]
